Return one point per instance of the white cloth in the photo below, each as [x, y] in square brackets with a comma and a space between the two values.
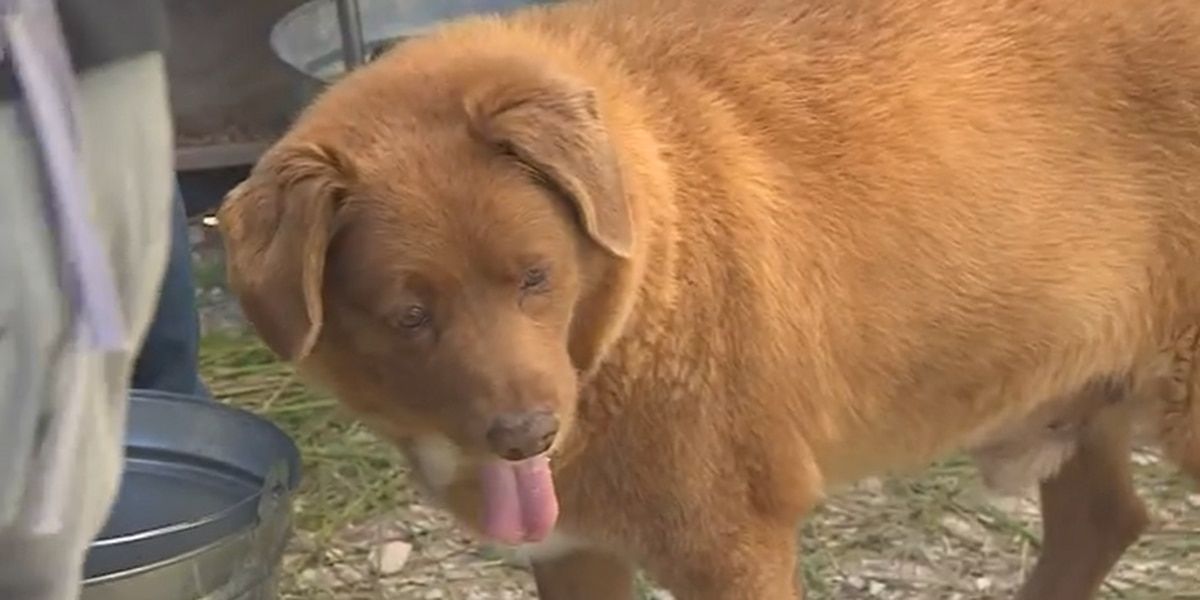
[85, 191]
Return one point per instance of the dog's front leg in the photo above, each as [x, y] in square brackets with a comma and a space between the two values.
[755, 562]
[1090, 513]
[584, 575]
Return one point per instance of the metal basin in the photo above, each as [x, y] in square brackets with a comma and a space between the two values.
[309, 38]
[204, 509]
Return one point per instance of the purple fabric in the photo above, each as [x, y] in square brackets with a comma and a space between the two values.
[43, 70]
[31, 38]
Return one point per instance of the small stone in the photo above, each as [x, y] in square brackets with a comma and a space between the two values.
[983, 584]
[310, 577]
[875, 588]
[390, 557]
[872, 485]
[347, 574]
[1144, 459]
[960, 528]
[317, 578]
[1193, 500]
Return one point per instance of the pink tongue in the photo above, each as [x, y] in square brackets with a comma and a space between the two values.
[519, 504]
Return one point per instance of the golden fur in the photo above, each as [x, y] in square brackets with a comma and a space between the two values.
[790, 244]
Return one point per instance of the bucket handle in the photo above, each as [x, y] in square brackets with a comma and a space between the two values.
[274, 514]
[274, 491]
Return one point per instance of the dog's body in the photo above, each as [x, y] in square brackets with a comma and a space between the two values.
[795, 243]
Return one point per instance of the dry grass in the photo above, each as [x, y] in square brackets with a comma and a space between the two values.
[937, 536]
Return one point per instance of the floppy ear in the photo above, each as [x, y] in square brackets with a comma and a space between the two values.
[276, 226]
[553, 127]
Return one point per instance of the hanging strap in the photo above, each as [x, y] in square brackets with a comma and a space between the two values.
[31, 41]
[43, 68]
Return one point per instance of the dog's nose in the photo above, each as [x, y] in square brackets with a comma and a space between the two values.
[517, 436]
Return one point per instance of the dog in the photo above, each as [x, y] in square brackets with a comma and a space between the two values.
[638, 283]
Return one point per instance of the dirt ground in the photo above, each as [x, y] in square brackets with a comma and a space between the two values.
[364, 533]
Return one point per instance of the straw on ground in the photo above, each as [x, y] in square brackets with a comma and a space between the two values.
[936, 535]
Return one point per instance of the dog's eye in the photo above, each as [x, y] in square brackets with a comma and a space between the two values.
[413, 317]
[534, 279]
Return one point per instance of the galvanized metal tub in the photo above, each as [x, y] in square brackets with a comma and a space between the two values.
[204, 510]
[309, 38]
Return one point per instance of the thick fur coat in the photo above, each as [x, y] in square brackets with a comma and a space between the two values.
[736, 254]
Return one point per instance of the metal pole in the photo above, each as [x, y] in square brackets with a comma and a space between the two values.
[350, 22]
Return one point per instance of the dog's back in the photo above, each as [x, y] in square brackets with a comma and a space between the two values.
[904, 163]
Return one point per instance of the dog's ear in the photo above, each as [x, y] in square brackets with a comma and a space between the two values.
[276, 226]
[552, 125]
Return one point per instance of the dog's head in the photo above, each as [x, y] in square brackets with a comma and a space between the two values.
[427, 243]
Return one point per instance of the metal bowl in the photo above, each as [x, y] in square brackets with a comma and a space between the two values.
[204, 509]
[309, 38]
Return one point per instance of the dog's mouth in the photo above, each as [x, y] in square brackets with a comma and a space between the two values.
[519, 501]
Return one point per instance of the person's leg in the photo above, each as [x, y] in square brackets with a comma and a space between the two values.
[126, 145]
[169, 359]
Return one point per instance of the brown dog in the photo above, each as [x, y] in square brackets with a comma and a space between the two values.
[639, 281]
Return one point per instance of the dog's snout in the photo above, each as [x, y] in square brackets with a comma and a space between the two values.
[518, 436]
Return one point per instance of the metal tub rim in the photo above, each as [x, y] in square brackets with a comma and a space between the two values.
[383, 21]
[239, 472]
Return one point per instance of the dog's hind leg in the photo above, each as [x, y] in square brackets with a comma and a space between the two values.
[1090, 512]
[1178, 399]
